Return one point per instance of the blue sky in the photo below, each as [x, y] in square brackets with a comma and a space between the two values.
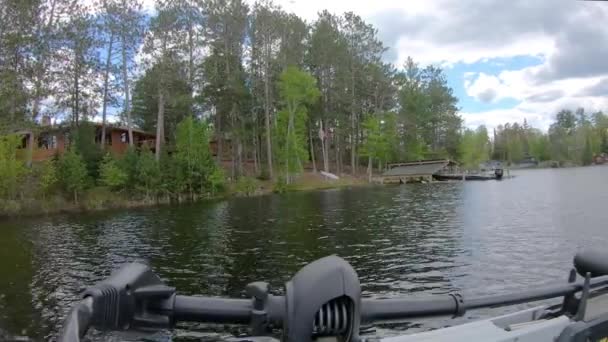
[456, 79]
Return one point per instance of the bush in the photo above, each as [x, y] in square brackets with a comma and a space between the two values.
[148, 174]
[9, 207]
[281, 186]
[84, 144]
[100, 198]
[111, 175]
[216, 180]
[246, 186]
[74, 173]
[128, 163]
[47, 178]
[264, 175]
[12, 170]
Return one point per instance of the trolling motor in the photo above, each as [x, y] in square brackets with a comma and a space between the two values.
[323, 300]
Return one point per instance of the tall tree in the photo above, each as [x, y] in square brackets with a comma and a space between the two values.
[297, 90]
[364, 49]
[264, 35]
[78, 72]
[225, 80]
[130, 31]
[327, 61]
[160, 47]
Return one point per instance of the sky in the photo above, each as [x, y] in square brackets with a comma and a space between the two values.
[507, 60]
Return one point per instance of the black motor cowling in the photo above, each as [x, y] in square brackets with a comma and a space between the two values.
[323, 298]
[591, 261]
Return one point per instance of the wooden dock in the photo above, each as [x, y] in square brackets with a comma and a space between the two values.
[414, 172]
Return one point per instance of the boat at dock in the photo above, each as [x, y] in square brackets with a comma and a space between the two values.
[495, 174]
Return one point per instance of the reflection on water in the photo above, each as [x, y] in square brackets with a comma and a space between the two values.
[478, 238]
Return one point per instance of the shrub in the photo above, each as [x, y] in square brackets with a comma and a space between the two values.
[111, 174]
[12, 169]
[74, 173]
[281, 186]
[148, 173]
[100, 198]
[47, 178]
[246, 186]
[216, 180]
[128, 163]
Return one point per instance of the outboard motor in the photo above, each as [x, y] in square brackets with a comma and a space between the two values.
[498, 173]
[323, 299]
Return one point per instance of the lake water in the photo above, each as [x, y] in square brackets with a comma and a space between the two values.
[474, 237]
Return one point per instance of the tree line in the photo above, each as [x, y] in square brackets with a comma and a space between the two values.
[223, 61]
[574, 137]
[277, 93]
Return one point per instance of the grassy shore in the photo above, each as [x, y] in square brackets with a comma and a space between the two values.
[101, 198]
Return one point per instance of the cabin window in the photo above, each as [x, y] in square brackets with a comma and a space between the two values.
[124, 137]
[24, 140]
[46, 141]
[108, 137]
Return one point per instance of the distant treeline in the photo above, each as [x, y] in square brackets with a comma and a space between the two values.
[574, 137]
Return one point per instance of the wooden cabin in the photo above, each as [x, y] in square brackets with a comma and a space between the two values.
[54, 140]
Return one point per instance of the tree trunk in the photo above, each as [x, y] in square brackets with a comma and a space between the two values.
[369, 168]
[324, 147]
[76, 104]
[337, 150]
[267, 117]
[256, 167]
[312, 151]
[240, 151]
[160, 123]
[353, 141]
[30, 149]
[125, 77]
[105, 92]
[287, 143]
[219, 138]
[232, 140]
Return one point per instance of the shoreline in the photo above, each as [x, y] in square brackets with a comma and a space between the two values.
[102, 199]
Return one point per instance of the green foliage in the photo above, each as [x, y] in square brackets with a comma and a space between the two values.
[111, 174]
[572, 137]
[475, 147]
[297, 90]
[99, 198]
[12, 169]
[192, 156]
[281, 186]
[128, 163]
[178, 99]
[148, 174]
[428, 112]
[246, 186]
[217, 180]
[587, 157]
[74, 174]
[48, 177]
[84, 144]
